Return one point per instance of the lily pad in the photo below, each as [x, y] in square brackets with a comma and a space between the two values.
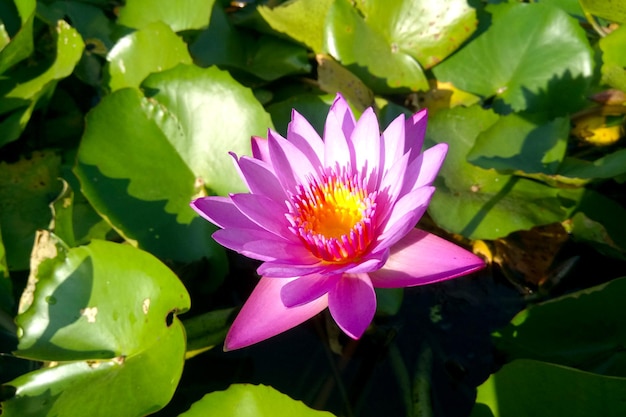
[384, 67]
[518, 143]
[480, 203]
[21, 42]
[244, 400]
[611, 10]
[190, 14]
[533, 56]
[428, 31]
[614, 58]
[151, 49]
[531, 388]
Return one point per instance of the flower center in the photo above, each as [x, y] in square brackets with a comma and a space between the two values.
[333, 216]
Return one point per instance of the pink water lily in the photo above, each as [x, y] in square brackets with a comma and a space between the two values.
[332, 219]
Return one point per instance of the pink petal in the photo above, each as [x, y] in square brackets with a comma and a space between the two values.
[424, 169]
[308, 288]
[423, 258]
[291, 165]
[393, 141]
[390, 187]
[415, 129]
[264, 315]
[412, 204]
[260, 179]
[303, 135]
[288, 270]
[338, 149]
[367, 141]
[352, 303]
[263, 245]
[265, 212]
[260, 149]
[222, 212]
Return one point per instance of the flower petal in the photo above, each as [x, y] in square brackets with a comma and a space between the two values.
[260, 179]
[264, 315]
[393, 142]
[415, 129]
[291, 165]
[423, 258]
[366, 138]
[308, 288]
[352, 303]
[303, 135]
[263, 245]
[423, 170]
[265, 212]
[412, 205]
[222, 212]
[260, 149]
[338, 149]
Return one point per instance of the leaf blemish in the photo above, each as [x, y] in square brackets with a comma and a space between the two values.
[145, 306]
[90, 313]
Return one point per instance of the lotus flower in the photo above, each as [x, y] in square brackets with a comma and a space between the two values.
[331, 219]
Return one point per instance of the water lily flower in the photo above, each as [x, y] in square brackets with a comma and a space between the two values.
[331, 219]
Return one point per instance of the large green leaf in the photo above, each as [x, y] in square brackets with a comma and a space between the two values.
[302, 20]
[480, 203]
[101, 301]
[22, 91]
[518, 143]
[243, 400]
[608, 166]
[179, 15]
[614, 58]
[142, 160]
[26, 189]
[526, 388]
[533, 56]
[151, 49]
[21, 43]
[583, 330]
[383, 66]
[428, 31]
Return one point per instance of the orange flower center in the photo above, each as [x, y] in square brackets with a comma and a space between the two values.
[333, 217]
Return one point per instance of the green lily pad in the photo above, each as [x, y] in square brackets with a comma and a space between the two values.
[190, 14]
[614, 58]
[428, 31]
[611, 10]
[583, 330]
[533, 56]
[151, 49]
[27, 187]
[301, 20]
[100, 301]
[140, 384]
[530, 388]
[609, 166]
[21, 44]
[244, 400]
[517, 143]
[480, 203]
[383, 66]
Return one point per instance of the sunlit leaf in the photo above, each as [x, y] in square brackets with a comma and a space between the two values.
[530, 388]
[533, 56]
[517, 143]
[151, 49]
[614, 58]
[189, 14]
[428, 31]
[243, 400]
[301, 20]
[359, 47]
[611, 10]
[480, 203]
